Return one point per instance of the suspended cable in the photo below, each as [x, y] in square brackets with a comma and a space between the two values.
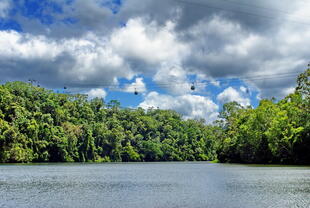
[235, 11]
[115, 87]
[264, 8]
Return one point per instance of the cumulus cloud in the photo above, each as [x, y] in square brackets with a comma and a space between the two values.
[18, 46]
[166, 41]
[96, 93]
[90, 60]
[250, 54]
[227, 44]
[230, 94]
[137, 86]
[93, 60]
[77, 61]
[148, 42]
[190, 106]
[172, 78]
[243, 89]
[289, 90]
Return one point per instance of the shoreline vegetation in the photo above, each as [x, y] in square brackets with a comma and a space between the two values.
[155, 162]
[38, 125]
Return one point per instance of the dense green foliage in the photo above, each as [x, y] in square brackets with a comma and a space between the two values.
[37, 125]
[271, 133]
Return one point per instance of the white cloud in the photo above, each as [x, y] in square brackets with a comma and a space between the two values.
[190, 106]
[230, 94]
[289, 90]
[138, 86]
[4, 8]
[96, 93]
[247, 91]
[301, 12]
[167, 43]
[172, 78]
[19, 46]
[236, 51]
[245, 46]
[77, 60]
[91, 58]
[243, 89]
[148, 42]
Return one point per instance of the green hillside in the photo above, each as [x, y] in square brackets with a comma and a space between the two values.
[38, 125]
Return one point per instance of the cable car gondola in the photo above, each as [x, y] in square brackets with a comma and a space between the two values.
[136, 92]
[193, 87]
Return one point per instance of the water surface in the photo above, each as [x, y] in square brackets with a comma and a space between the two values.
[154, 185]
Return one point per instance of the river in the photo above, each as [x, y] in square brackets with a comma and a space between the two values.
[154, 185]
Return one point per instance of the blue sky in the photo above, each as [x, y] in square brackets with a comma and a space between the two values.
[110, 48]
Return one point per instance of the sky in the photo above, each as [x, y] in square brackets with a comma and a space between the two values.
[230, 50]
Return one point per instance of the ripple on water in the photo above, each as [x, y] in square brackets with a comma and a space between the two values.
[154, 185]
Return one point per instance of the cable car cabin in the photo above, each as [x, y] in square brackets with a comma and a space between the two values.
[193, 87]
[136, 92]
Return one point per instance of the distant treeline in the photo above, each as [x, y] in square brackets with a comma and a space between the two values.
[38, 125]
